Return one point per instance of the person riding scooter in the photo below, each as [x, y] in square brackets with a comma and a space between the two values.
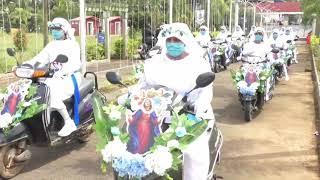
[289, 36]
[259, 48]
[203, 38]
[66, 75]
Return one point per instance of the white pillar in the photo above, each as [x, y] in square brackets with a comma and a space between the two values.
[244, 17]
[230, 17]
[208, 14]
[83, 36]
[254, 15]
[236, 14]
[314, 24]
[107, 46]
[170, 10]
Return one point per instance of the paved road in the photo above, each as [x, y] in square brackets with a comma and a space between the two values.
[277, 145]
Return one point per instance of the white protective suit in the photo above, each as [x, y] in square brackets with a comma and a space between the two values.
[277, 43]
[291, 36]
[238, 33]
[203, 39]
[261, 49]
[180, 75]
[251, 33]
[61, 85]
[224, 33]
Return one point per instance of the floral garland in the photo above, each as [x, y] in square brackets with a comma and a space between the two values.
[163, 157]
[26, 107]
[244, 88]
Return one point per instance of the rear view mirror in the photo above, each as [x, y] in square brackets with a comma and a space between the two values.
[204, 79]
[62, 58]
[229, 35]
[11, 52]
[289, 41]
[114, 78]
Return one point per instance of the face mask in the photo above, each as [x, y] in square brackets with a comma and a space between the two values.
[202, 32]
[175, 49]
[275, 36]
[57, 34]
[258, 38]
[287, 32]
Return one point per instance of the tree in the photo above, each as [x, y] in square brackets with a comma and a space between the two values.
[310, 7]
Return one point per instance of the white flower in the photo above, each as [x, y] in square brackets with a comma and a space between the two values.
[159, 161]
[26, 104]
[113, 149]
[173, 144]
[5, 120]
[115, 115]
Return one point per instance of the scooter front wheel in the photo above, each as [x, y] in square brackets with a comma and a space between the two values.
[13, 159]
[247, 111]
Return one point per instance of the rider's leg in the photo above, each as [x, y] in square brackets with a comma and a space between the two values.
[57, 95]
[285, 72]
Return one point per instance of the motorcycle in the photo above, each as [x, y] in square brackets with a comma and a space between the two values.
[237, 45]
[146, 53]
[251, 82]
[170, 105]
[41, 127]
[289, 52]
[278, 64]
[216, 53]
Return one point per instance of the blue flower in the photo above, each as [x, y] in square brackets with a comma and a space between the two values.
[131, 165]
[115, 131]
[181, 131]
[193, 118]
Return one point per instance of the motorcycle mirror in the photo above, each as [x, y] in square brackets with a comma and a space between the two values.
[229, 35]
[114, 78]
[203, 80]
[295, 39]
[275, 50]
[289, 41]
[11, 52]
[62, 58]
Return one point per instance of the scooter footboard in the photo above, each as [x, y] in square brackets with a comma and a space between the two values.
[17, 133]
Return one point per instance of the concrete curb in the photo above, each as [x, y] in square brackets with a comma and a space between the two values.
[315, 77]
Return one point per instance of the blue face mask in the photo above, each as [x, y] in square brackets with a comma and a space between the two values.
[202, 32]
[57, 34]
[175, 49]
[258, 38]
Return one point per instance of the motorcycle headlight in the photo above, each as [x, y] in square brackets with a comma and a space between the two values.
[24, 72]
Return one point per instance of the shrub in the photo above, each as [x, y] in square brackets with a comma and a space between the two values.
[133, 45]
[119, 48]
[95, 52]
[20, 40]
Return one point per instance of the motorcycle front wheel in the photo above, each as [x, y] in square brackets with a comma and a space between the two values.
[10, 166]
[248, 111]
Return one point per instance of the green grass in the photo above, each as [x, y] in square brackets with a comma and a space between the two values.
[34, 46]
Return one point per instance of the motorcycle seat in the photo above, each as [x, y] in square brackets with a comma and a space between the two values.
[86, 86]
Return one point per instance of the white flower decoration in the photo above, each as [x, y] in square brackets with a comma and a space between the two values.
[113, 149]
[159, 161]
[5, 120]
[173, 144]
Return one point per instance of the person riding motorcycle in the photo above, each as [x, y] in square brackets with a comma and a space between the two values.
[177, 68]
[251, 33]
[147, 36]
[203, 38]
[276, 42]
[62, 84]
[224, 33]
[238, 33]
[288, 35]
[259, 48]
